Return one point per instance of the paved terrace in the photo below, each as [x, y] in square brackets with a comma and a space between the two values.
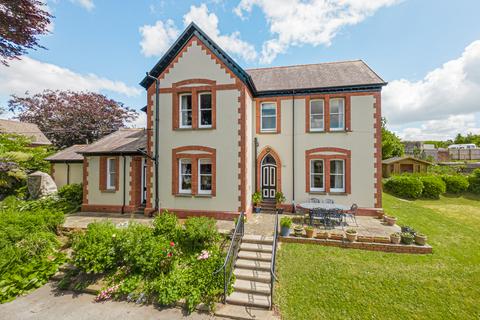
[258, 224]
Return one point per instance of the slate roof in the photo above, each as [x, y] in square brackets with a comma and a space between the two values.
[396, 159]
[312, 76]
[68, 155]
[26, 129]
[323, 77]
[118, 142]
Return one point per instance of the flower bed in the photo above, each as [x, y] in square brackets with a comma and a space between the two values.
[164, 264]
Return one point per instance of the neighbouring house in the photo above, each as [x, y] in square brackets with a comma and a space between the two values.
[29, 130]
[225, 132]
[67, 165]
[114, 172]
[399, 165]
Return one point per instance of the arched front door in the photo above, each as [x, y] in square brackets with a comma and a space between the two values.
[269, 177]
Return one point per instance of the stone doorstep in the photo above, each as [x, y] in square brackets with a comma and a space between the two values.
[258, 256]
[253, 275]
[249, 299]
[257, 239]
[249, 286]
[252, 265]
[244, 313]
[256, 247]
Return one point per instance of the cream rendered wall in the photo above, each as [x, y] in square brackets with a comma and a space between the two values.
[360, 141]
[97, 197]
[250, 188]
[60, 173]
[195, 64]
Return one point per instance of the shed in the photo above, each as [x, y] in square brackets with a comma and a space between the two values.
[399, 165]
[67, 165]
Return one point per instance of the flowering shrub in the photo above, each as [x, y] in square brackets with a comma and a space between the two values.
[204, 255]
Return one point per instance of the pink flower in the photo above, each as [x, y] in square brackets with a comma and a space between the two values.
[204, 255]
[169, 254]
[172, 244]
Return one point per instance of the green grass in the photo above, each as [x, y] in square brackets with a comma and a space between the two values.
[317, 282]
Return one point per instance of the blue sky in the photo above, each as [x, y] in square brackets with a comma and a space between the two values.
[425, 49]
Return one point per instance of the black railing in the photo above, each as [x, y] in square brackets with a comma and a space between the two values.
[273, 277]
[232, 253]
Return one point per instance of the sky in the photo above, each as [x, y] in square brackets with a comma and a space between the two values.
[427, 50]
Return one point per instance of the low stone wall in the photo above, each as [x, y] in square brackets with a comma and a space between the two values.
[377, 244]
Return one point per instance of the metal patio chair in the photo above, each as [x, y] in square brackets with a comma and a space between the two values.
[314, 200]
[352, 213]
[329, 201]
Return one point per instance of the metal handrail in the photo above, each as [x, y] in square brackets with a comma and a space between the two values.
[232, 253]
[273, 277]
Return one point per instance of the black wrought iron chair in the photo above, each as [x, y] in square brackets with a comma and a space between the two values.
[337, 217]
[318, 216]
[329, 201]
[352, 213]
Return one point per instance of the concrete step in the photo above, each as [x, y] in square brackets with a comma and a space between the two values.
[251, 255]
[252, 275]
[231, 311]
[249, 286]
[252, 265]
[257, 239]
[249, 299]
[255, 247]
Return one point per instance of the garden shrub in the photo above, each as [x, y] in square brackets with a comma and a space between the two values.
[166, 224]
[405, 186]
[433, 186]
[474, 181]
[200, 232]
[94, 250]
[72, 194]
[455, 183]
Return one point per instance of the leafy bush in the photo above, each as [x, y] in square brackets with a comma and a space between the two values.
[200, 232]
[72, 193]
[405, 186]
[28, 245]
[474, 181]
[166, 224]
[455, 183]
[433, 186]
[286, 222]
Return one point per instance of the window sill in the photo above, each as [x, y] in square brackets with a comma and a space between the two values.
[109, 191]
[186, 195]
[268, 132]
[317, 192]
[203, 196]
[191, 195]
[193, 129]
[331, 193]
[340, 193]
[330, 131]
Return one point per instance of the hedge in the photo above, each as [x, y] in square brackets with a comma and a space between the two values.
[405, 186]
[474, 182]
[433, 186]
[455, 183]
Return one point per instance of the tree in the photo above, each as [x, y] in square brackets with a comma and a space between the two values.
[392, 146]
[68, 117]
[21, 22]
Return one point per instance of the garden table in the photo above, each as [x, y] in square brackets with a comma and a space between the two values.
[329, 207]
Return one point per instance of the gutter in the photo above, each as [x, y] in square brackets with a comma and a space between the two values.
[293, 150]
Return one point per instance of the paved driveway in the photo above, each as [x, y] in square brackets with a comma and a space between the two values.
[46, 303]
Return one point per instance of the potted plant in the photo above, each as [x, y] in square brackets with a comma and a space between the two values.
[309, 231]
[395, 238]
[257, 199]
[407, 238]
[323, 234]
[408, 229]
[420, 239]
[390, 221]
[351, 235]
[298, 230]
[285, 224]
[279, 199]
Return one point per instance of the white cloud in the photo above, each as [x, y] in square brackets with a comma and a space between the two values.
[87, 4]
[314, 22]
[156, 39]
[452, 89]
[140, 122]
[442, 129]
[35, 76]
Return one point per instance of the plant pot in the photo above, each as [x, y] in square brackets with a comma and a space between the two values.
[380, 215]
[285, 231]
[309, 233]
[395, 239]
[352, 237]
[390, 221]
[322, 235]
[298, 232]
[279, 210]
[407, 240]
[420, 240]
[257, 209]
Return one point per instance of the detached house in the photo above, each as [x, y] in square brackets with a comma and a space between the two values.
[224, 132]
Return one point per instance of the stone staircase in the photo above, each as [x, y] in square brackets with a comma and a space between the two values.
[268, 206]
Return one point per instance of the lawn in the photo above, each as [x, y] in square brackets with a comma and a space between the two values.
[317, 282]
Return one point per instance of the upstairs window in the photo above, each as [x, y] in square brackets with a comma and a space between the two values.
[186, 110]
[317, 121]
[337, 175]
[317, 175]
[111, 173]
[337, 114]
[185, 176]
[205, 110]
[268, 117]
[205, 176]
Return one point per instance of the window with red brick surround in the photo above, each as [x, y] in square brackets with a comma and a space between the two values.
[258, 115]
[183, 88]
[328, 154]
[326, 112]
[193, 154]
[103, 167]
